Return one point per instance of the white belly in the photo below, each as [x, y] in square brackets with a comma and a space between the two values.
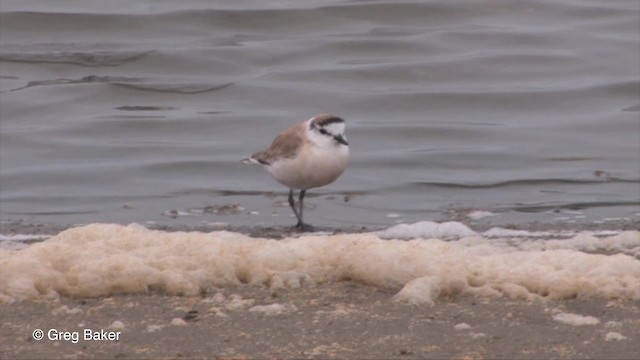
[310, 169]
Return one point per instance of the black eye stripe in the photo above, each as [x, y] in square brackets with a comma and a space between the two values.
[324, 132]
[330, 120]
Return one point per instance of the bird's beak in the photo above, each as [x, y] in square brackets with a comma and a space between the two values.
[341, 140]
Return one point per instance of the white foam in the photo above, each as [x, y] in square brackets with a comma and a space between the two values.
[575, 319]
[462, 326]
[480, 214]
[24, 237]
[272, 309]
[612, 324]
[499, 232]
[154, 328]
[20, 241]
[177, 213]
[427, 230]
[420, 291]
[622, 242]
[64, 309]
[236, 302]
[216, 224]
[178, 322]
[103, 260]
[614, 336]
[117, 325]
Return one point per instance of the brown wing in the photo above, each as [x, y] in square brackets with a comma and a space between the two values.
[284, 146]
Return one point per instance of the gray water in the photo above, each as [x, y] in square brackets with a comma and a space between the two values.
[138, 111]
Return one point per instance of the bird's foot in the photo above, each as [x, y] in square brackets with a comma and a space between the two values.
[300, 226]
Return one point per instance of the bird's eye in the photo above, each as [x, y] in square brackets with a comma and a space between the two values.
[324, 132]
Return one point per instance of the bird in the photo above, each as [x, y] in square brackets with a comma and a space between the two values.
[307, 155]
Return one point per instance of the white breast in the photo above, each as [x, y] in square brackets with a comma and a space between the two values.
[313, 167]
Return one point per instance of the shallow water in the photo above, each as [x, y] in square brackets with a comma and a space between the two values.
[140, 111]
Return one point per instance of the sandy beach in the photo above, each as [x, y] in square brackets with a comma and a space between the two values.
[340, 320]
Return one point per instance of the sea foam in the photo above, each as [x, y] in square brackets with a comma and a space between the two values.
[106, 259]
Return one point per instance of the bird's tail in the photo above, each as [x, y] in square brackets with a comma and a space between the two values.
[249, 161]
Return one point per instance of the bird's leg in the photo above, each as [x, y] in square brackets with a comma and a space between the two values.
[301, 204]
[301, 224]
[292, 203]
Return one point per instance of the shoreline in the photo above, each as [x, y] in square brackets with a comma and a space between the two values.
[24, 227]
[339, 318]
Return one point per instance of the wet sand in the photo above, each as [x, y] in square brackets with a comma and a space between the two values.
[342, 319]
[279, 232]
[337, 320]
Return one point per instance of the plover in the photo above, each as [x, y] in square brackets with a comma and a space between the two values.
[311, 154]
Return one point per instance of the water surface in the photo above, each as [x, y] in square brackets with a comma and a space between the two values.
[137, 111]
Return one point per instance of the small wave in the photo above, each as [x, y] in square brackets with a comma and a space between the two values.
[84, 80]
[53, 212]
[175, 88]
[526, 182]
[547, 206]
[90, 59]
[226, 192]
[144, 108]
